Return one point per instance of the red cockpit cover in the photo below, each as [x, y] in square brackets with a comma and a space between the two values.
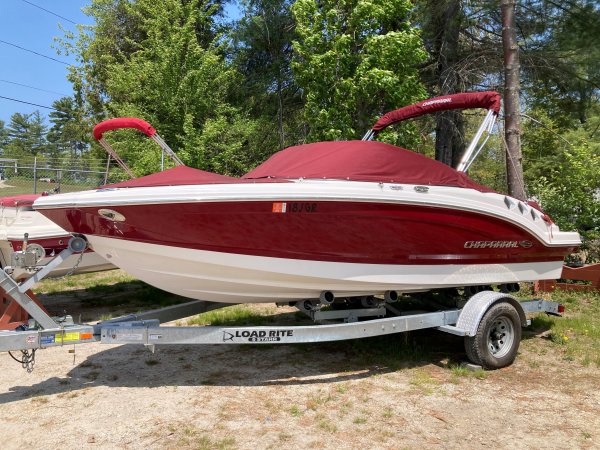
[18, 200]
[361, 161]
[469, 100]
[178, 175]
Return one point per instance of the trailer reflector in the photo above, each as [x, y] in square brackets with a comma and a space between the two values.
[561, 308]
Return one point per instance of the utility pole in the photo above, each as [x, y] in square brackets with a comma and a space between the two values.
[512, 111]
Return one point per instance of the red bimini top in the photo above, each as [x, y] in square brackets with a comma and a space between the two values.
[361, 161]
[469, 100]
[16, 201]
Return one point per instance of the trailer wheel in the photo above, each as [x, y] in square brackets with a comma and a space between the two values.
[498, 336]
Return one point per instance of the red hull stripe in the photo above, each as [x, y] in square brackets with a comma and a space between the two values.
[357, 232]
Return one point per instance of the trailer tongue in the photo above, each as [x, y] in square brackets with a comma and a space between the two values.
[489, 321]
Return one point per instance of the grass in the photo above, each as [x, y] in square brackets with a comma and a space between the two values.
[424, 382]
[186, 435]
[577, 334]
[459, 371]
[360, 420]
[18, 185]
[388, 413]
[101, 282]
[235, 315]
[113, 288]
[315, 401]
[327, 425]
[295, 411]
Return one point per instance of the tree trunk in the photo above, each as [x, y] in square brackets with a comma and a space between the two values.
[449, 131]
[280, 113]
[512, 118]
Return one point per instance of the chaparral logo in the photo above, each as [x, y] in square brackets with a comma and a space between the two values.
[498, 244]
[434, 102]
[257, 335]
[491, 244]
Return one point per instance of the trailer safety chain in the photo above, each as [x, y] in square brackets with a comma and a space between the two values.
[74, 268]
[27, 361]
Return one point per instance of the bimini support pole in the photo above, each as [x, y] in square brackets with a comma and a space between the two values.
[473, 151]
[111, 153]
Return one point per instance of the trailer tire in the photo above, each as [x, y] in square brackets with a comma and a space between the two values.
[498, 336]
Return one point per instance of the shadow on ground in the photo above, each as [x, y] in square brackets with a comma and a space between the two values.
[248, 365]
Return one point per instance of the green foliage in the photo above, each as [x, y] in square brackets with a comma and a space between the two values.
[562, 169]
[27, 134]
[354, 60]
[262, 52]
[571, 193]
[170, 72]
[577, 335]
[562, 64]
[3, 136]
[70, 131]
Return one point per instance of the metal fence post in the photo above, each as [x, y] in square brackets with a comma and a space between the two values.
[35, 175]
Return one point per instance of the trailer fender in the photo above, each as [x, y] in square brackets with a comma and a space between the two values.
[476, 307]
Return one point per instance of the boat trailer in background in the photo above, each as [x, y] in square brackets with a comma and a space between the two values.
[489, 321]
[590, 272]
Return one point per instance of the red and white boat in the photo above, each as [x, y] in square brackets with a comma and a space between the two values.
[17, 218]
[350, 218]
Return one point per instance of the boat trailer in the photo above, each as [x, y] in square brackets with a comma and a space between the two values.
[490, 323]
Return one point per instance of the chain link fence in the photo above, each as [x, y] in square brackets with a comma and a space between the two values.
[54, 175]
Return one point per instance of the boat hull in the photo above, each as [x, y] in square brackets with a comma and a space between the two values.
[235, 278]
[348, 232]
[295, 247]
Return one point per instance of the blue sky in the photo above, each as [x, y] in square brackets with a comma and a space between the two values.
[34, 29]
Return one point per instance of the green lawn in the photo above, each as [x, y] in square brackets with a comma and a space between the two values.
[18, 185]
[577, 334]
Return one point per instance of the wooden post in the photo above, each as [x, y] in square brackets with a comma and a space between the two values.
[512, 119]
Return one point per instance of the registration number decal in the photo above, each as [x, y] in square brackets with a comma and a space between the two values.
[294, 207]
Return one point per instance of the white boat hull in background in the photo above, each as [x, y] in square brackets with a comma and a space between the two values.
[15, 222]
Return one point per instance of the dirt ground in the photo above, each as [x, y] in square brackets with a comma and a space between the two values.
[302, 396]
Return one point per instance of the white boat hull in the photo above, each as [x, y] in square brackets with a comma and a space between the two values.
[236, 278]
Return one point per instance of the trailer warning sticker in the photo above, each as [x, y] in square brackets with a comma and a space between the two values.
[67, 337]
[279, 207]
[256, 335]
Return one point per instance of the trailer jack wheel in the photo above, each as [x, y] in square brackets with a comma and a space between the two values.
[498, 336]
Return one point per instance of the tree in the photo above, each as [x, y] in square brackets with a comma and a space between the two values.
[70, 131]
[3, 137]
[562, 57]
[172, 75]
[442, 23]
[354, 60]
[263, 54]
[572, 198]
[512, 112]
[27, 135]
